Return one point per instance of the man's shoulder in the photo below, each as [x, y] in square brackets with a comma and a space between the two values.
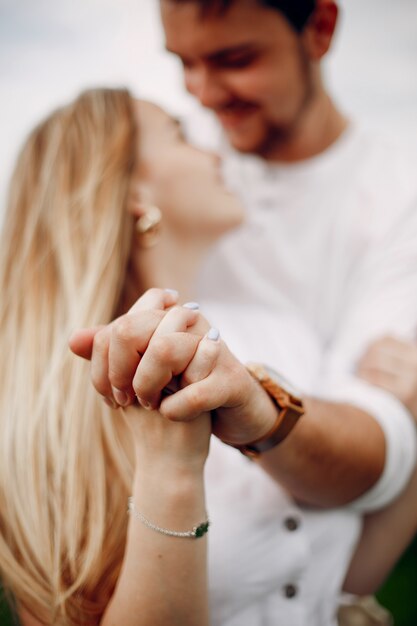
[384, 150]
[388, 171]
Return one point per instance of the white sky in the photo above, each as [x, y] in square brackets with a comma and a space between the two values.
[51, 49]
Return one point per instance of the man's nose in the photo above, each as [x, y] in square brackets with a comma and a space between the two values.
[206, 86]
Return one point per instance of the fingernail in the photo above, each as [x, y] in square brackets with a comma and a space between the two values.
[144, 404]
[172, 292]
[121, 397]
[194, 306]
[213, 334]
[110, 402]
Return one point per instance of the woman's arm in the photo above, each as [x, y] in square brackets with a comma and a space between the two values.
[163, 581]
[391, 364]
[386, 534]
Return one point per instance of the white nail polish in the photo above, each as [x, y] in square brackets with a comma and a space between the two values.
[172, 292]
[213, 334]
[194, 306]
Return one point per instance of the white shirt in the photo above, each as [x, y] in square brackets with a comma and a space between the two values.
[328, 251]
[270, 562]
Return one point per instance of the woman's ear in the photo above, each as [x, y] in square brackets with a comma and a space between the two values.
[319, 31]
[147, 216]
[140, 198]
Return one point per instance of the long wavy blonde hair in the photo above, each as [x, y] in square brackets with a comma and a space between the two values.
[65, 466]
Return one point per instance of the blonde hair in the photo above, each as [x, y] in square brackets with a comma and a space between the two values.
[65, 467]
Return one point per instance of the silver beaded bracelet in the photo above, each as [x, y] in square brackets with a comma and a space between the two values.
[195, 533]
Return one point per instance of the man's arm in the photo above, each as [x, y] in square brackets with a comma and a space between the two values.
[334, 454]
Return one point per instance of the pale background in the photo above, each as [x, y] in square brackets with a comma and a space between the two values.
[50, 49]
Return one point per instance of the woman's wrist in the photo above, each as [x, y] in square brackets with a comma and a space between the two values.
[170, 499]
[171, 478]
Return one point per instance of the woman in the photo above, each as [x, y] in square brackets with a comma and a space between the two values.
[75, 250]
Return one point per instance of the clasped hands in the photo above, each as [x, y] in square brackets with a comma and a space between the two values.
[164, 356]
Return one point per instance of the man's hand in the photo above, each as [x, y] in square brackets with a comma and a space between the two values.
[170, 359]
[336, 452]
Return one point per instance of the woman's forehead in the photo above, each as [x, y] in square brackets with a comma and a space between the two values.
[151, 112]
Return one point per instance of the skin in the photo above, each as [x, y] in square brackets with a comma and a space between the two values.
[197, 208]
[166, 158]
[261, 78]
[391, 364]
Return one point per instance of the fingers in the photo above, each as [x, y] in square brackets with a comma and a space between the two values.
[390, 356]
[128, 340]
[391, 364]
[379, 378]
[168, 354]
[81, 341]
[100, 362]
[378, 360]
[189, 402]
[204, 360]
[144, 350]
[155, 299]
[115, 350]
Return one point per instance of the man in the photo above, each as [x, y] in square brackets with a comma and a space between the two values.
[329, 245]
[257, 66]
[330, 233]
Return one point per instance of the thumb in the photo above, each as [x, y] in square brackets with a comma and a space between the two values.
[81, 341]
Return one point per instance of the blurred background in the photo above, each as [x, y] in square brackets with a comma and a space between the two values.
[51, 49]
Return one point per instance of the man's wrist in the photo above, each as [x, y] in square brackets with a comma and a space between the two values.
[252, 419]
[288, 408]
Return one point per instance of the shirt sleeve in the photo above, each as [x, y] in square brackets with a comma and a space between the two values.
[399, 431]
[380, 299]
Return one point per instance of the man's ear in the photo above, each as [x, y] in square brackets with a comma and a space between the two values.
[319, 31]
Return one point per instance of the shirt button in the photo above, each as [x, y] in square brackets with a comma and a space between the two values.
[291, 523]
[290, 591]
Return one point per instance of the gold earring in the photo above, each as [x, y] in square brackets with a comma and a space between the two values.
[148, 227]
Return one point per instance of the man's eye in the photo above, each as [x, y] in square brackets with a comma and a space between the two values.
[238, 62]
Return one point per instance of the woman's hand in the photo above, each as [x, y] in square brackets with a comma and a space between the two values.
[392, 364]
[146, 351]
[115, 351]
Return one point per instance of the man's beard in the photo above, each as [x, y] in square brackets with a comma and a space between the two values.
[276, 137]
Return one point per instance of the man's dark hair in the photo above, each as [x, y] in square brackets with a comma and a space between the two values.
[297, 12]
